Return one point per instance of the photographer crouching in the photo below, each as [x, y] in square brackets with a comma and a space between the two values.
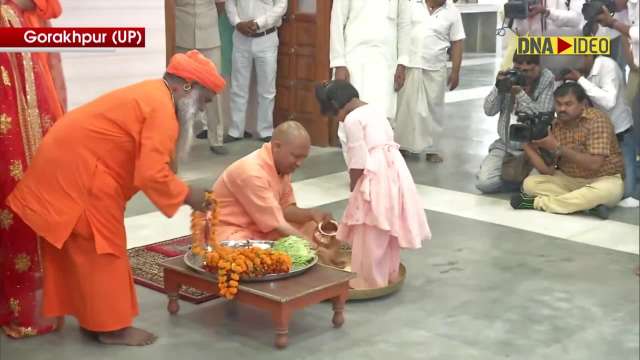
[605, 86]
[586, 170]
[527, 89]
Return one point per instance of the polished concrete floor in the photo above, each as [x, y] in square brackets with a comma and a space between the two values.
[493, 283]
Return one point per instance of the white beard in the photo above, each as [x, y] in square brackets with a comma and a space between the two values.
[187, 113]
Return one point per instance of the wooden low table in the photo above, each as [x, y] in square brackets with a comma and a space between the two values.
[281, 297]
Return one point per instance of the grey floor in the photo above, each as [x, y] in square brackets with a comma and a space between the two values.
[477, 291]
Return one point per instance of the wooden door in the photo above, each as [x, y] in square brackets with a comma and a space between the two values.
[303, 61]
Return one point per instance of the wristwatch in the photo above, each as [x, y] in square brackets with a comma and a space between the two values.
[557, 152]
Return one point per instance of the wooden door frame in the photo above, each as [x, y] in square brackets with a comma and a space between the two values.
[170, 28]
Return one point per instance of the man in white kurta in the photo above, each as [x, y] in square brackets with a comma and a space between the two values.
[430, 27]
[255, 40]
[363, 51]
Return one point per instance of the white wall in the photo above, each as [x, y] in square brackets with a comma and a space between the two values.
[89, 75]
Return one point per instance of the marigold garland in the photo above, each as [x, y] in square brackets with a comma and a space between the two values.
[231, 264]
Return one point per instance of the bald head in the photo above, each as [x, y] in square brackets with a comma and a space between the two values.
[290, 145]
[290, 131]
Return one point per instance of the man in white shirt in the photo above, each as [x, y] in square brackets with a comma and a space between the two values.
[254, 41]
[631, 35]
[428, 29]
[363, 51]
[604, 84]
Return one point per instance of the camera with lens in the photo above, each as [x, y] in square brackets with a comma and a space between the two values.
[590, 10]
[530, 126]
[510, 78]
[518, 9]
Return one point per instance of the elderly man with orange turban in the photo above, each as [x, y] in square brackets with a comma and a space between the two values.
[92, 161]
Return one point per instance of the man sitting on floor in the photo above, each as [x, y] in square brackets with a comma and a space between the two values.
[534, 97]
[254, 194]
[587, 174]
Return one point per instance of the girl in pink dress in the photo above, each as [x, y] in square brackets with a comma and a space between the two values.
[384, 212]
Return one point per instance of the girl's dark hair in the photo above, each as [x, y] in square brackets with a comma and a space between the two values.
[334, 95]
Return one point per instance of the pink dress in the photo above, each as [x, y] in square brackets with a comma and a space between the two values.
[384, 212]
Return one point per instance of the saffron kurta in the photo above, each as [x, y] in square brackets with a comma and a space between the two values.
[74, 194]
[252, 198]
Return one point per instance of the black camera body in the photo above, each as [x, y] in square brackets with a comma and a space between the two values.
[530, 127]
[511, 78]
[518, 9]
[593, 8]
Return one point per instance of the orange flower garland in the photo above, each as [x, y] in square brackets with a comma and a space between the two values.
[231, 264]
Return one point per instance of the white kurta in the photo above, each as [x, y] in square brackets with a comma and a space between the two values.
[364, 39]
[423, 51]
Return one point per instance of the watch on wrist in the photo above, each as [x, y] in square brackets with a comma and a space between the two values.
[558, 151]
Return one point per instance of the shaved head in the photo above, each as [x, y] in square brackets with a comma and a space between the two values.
[290, 131]
[290, 144]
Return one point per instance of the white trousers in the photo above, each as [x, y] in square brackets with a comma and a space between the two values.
[262, 51]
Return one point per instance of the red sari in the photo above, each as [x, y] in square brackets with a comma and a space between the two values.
[31, 99]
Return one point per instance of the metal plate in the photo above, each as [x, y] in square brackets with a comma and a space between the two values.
[366, 294]
[196, 262]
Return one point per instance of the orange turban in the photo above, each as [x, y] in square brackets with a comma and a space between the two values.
[193, 66]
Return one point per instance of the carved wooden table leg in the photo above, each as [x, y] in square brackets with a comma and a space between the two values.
[281, 321]
[172, 287]
[338, 309]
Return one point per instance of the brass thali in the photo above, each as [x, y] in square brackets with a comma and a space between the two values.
[196, 262]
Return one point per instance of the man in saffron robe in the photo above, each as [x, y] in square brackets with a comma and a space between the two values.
[92, 161]
[254, 194]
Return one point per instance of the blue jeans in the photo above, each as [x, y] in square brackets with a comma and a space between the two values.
[629, 153]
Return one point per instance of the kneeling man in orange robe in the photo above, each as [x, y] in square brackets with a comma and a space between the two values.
[254, 194]
[92, 161]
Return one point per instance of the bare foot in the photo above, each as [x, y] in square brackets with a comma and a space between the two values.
[130, 336]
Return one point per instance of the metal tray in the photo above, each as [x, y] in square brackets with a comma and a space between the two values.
[196, 262]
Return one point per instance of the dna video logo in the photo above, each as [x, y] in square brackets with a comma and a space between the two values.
[563, 45]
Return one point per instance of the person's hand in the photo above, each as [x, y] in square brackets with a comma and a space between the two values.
[454, 78]
[604, 18]
[549, 143]
[245, 28]
[253, 26]
[500, 76]
[196, 199]
[536, 9]
[399, 77]
[572, 74]
[221, 9]
[320, 216]
[515, 90]
[342, 73]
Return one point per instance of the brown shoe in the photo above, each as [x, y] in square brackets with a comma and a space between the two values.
[434, 158]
